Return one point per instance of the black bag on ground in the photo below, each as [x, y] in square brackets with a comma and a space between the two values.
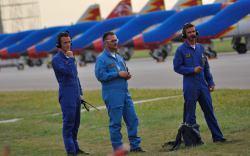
[189, 134]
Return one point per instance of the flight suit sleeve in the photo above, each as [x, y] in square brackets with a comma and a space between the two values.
[207, 74]
[179, 66]
[101, 72]
[62, 67]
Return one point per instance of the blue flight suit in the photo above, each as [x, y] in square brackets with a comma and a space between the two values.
[69, 98]
[117, 99]
[196, 86]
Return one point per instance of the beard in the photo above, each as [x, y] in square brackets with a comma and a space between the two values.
[193, 36]
[66, 49]
[114, 47]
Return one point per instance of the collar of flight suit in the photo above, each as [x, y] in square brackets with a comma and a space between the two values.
[62, 54]
[108, 53]
[189, 46]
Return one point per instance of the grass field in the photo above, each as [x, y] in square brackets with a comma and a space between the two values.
[221, 46]
[39, 133]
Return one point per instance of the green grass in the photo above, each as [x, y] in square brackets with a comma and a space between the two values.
[140, 54]
[221, 46]
[39, 133]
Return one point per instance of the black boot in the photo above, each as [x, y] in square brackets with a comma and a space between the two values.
[79, 151]
[138, 149]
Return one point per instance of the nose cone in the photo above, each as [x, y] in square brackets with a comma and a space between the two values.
[139, 42]
[33, 53]
[31, 50]
[4, 53]
[98, 45]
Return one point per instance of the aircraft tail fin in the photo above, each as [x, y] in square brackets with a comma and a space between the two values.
[91, 14]
[182, 4]
[123, 8]
[225, 1]
[153, 5]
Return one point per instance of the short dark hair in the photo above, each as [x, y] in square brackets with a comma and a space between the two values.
[106, 34]
[59, 36]
[186, 26]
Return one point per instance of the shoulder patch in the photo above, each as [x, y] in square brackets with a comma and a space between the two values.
[111, 65]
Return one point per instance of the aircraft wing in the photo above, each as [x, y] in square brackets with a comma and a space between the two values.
[98, 30]
[167, 30]
[220, 24]
[50, 44]
[33, 38]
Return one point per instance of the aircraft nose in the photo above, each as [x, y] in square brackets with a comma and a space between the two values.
[3, 53]
[98, 45]
[31, 51]
[138, 42]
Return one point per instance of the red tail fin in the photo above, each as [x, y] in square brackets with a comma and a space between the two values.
[191, 3]
[123, 8]
[153, 5]
[91, 14]
[182, 4]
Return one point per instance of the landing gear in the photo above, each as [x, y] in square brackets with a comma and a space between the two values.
[39, 62]
[240, 47]
[126, 53]
[161, 53]
[210, 53]
[209, 50]
[34, 62]
[18, 63]
[30, 63]
[86, 57]
[20, 66]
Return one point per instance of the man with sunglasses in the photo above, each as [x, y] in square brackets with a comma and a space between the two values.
[111, 71]
[70, 92]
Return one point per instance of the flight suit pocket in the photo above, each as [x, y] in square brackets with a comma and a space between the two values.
[188, 59]
[112, 67]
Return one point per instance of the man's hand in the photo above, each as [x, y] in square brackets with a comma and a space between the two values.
[129, 76]
[211, 88]
[69, 54]
[125, 75]
[198, 69]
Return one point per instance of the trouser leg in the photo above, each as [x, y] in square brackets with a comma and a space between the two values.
[205, 101]
[68, 126]
[115, 103]
[131, 121]
[190, 99]
[76, 127]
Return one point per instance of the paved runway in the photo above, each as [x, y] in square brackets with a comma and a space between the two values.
[229, 71]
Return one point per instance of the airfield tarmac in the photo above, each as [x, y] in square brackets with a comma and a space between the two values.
[230, 70]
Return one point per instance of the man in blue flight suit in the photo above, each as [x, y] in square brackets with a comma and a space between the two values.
[190, 61]
[70, 92]
[111, 71]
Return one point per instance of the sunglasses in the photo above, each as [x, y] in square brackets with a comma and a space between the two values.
[113, 41]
